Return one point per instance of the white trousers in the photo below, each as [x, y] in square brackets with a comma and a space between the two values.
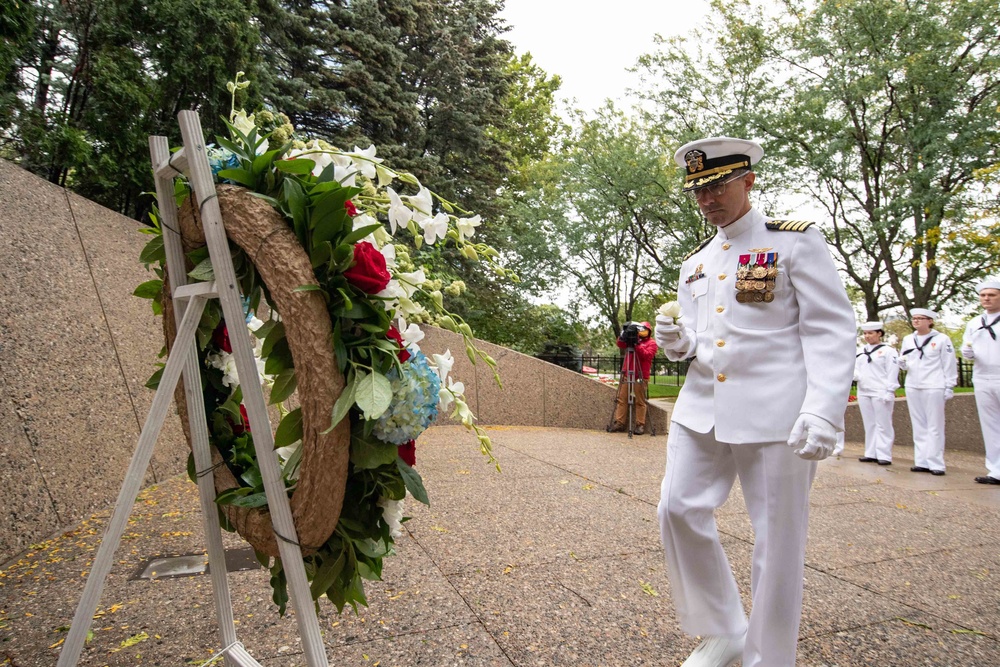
[927, 419]
[988, 404]
[699, 476]
[876, 413]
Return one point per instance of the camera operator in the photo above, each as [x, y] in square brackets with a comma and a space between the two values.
[639, 349]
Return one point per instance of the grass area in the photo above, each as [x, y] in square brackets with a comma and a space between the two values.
[662, 390]
[902, 392]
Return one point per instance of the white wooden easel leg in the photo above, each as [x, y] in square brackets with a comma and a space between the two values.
[70, 654]
[253, 397]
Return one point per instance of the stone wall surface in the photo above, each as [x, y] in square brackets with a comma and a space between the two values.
[533, 392]
[76, 349]
[961, 424]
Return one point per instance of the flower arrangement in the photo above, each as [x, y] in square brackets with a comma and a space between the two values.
[346, 209]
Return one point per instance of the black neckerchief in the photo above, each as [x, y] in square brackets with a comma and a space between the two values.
[989, 327]
[920, 348]
[868, 353]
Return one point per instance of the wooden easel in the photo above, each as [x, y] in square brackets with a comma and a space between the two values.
[189, 303]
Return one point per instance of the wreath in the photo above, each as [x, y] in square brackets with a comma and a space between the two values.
[333, 307]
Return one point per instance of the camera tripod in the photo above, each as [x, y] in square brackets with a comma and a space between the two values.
[628, 378]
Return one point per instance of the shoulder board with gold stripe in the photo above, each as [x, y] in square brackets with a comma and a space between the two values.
[700, 246]
[789, 225]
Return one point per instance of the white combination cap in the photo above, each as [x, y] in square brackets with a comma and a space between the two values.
[707, 161]
[923, 311]
[872, 326]
[990, 283]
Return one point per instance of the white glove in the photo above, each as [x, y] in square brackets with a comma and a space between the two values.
[949, 394]
[891, 395]
[813, 438]
[666, 330]
[902, 363]
[967, 352]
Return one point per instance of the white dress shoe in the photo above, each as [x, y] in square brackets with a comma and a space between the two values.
[716, 652]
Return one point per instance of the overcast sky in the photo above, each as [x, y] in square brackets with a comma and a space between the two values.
[590, 44]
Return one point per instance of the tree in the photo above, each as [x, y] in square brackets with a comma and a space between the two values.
[102, 75]
[880, 113]
[614, 226]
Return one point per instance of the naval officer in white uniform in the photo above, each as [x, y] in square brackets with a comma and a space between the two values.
[928, 357]
[768, 324]
[981, 343]
[876, 370]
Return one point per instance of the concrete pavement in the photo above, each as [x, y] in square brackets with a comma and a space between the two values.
[554, 561]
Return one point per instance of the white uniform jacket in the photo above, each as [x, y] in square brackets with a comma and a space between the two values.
[758, 365]
[936, 368]
[986, 363]
[880, 376]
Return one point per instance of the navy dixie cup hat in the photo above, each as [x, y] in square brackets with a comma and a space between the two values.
[710, 160]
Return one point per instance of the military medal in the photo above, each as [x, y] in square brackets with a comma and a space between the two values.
[756, 276]
[768, 297]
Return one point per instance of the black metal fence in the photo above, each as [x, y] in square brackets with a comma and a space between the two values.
[664, 371]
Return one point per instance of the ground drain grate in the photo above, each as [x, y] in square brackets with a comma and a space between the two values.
[190, 565]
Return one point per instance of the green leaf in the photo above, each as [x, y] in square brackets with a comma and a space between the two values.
[150, 289]
[342, 406]
[308, 288]
[371, 454]
[284, 386]
[326, 575]
[360, 233]
[241, 176]
[300, 166]
[274, 334]
[297, 203]
[289, 430]
[154, 380]
[252, 500]
[153, 251]
[373, 395]
[203, 271]
[414, 484]
[230, 496]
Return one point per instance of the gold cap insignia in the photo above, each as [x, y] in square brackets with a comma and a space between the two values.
[695, 161]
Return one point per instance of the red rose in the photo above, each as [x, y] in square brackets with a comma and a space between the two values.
[351, 208]
[221, 338]
[369, 273]
[393, 334]
[244, 425]
[408, 453]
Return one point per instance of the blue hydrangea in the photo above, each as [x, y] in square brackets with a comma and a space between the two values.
[220, 158]
[414, 401]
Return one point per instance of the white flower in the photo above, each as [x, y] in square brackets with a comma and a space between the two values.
[467, 227]
[244, 123]
[366, 165]
[365, 220]
[399, 213]
[411, 334]
[385, 176]
[412, 280]
[411, 307]
[670, 309]
[434, 228]
[392, 515]
[254, 323]
[422, 203]
[447, 395]
[463, 412]
[443, 363]
[343, 170]
[389, 252]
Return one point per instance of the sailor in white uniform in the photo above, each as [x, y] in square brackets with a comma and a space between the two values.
[981, 343]
[928, 357]
[876, 370]
[767, 321]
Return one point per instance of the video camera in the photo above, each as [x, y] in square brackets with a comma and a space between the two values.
[630, 334]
